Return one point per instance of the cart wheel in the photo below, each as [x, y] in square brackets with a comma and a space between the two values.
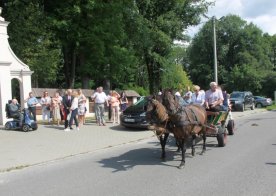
[8, 126]
[25, 128]
[230, 127]
[221, 137]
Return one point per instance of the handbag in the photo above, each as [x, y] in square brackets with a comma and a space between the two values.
[69, 116]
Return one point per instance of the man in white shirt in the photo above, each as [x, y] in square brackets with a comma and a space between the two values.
[100, 99]
[214, 98]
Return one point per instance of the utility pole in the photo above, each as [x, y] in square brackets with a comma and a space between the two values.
[274, 58]
[215, 50]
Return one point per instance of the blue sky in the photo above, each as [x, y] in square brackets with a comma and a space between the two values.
[260, 12]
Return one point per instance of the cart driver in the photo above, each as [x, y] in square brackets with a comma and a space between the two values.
[14, 111]
[214, 98]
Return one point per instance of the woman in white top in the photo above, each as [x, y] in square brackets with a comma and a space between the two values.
[46, 103]
[74, 111]
[81, 107]
[198, 97]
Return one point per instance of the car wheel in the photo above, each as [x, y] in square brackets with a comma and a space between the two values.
[25, 128]
[243, 108]
[259, 105]
[252, 107]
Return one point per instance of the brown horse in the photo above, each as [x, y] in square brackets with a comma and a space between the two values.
[183, 122]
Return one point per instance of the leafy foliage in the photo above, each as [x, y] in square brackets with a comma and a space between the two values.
[244, 55]
[118, 43]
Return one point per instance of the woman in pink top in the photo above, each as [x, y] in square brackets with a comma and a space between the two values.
[115, 104]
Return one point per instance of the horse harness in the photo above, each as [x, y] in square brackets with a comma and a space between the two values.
[191, 122]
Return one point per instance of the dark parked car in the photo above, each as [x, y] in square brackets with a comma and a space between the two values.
[135, 115]
[262, 101]
[242, 100]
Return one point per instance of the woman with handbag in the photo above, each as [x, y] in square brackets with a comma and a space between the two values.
[46, 103]
[81, 107]
[56, 108]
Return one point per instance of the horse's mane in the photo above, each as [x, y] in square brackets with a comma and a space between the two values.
[161, 111]
[170, 103]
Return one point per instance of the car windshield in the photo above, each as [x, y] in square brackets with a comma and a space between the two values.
[237, 95]
[141, 102]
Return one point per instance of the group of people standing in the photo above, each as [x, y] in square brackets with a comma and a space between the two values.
[214, 99]
[67, 108]
[72, 107]
[114, 100]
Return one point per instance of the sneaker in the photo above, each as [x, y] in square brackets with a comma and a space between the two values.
[78, 128]
[71, 128]
[67, 129]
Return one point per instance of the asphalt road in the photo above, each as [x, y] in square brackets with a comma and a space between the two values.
[246, 166]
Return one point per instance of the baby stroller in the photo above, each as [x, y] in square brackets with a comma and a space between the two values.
[23, 122]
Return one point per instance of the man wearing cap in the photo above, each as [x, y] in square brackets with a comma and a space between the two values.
[214, 98]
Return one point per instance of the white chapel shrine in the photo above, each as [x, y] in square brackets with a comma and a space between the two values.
[11, 68]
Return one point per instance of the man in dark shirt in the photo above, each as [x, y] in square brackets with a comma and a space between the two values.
[67, 101]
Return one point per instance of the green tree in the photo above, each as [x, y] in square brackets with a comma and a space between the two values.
[31, 41]
[157, 23]
[243, 55]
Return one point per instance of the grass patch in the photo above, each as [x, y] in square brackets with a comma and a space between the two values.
[271, 107]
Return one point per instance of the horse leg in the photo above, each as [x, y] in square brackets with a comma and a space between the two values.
[183, 150]
[163, 141]
[178, 146]
[204, 143]
[193, 144]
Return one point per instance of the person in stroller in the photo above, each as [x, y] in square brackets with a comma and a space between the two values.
[20, 120]
[13, 111]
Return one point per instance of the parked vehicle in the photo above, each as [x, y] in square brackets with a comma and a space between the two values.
[135, 115]
[241, 100]
[262, 101]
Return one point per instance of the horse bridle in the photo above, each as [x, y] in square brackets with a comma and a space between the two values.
[166, 121]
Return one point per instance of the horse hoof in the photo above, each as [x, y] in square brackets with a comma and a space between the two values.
[202, 153]
[181, 166]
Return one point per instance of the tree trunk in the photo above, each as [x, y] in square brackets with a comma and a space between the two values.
[66, 66]
[73, 68]
[149, 64]
[85, 82]
[107, 84]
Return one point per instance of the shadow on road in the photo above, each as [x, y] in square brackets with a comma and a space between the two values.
[60, 127]
[142, 156]
[121, 128]
[148, 156]
[270, 164]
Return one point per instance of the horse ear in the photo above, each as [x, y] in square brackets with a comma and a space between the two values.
[154, 97]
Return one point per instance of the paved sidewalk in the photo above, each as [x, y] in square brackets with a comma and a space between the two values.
[19, 149]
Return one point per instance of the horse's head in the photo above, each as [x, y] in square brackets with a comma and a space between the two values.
[156, 112]
[170, 103]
